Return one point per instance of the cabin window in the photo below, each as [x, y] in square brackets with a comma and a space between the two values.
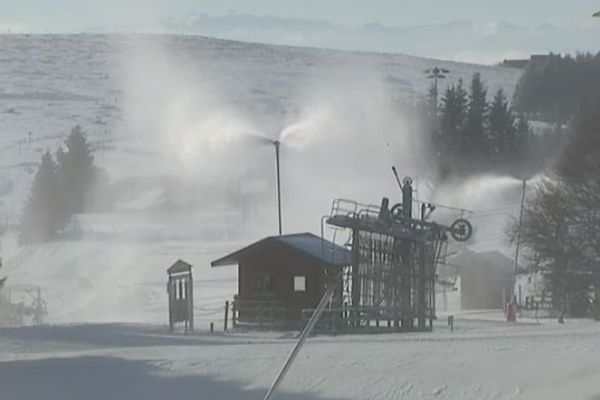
[299, 284]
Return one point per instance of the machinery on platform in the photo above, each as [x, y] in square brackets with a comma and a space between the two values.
[390, 284]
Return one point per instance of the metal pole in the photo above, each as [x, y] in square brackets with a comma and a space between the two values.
[191, 301]
[520, 225]
[226, 316]
[305, 332]
[436, 89]
[516, 262]
[277, 143]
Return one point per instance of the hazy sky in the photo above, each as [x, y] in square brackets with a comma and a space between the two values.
[488, 31]
[64, 15]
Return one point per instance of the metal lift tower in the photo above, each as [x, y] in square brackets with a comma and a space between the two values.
[391, 282]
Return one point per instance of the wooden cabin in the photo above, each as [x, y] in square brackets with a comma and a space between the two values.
[281, 278]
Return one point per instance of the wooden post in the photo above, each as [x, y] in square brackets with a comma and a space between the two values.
[334, 317]
[234, 314]
[171, 302]
[226, 315]
[190, 294]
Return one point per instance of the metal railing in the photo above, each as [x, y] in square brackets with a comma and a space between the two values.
[364, 318]
[261, 314]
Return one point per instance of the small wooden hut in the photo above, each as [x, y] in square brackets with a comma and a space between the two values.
[280, 276]
[181, 295]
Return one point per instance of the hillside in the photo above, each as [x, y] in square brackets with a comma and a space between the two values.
[170, 118]
[117, 86]
[183, 125]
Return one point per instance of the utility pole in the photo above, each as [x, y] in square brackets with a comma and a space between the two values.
[516, 262]
[436, 74]
[277, 143]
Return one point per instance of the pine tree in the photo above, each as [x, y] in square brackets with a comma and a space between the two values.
[452, 123]
[522, 155]
[432, 100]
[40, 220]
[554, 88]
[582, 153]
[475, 140]
[431, 122]
[76, 171]
[501, 127]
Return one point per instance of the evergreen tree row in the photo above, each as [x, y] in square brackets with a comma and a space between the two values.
[63, 185]
[555, 88]
[472, 134]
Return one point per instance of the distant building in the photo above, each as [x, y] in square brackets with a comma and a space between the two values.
[541, 61]
[518, 64]
[486, 280]
[280, 276]
[538, 61]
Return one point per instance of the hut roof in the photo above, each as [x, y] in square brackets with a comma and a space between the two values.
[306, 244]
[179, 266]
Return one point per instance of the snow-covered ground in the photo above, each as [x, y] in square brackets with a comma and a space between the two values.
[160, 101]
[161, 113]
[484, 358]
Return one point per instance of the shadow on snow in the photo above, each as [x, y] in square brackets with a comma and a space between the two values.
[115, 335]
[103, 378]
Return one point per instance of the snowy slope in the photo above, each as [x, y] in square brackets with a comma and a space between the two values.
[161, 112]
[483, 359]
[168, 117]
[50, 83]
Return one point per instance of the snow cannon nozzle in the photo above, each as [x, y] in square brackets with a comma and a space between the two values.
[397, 177]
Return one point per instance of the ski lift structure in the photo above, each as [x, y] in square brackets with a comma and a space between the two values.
[385, 281]
[392, 275]
[390, 284]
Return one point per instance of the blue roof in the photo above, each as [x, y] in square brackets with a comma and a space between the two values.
[307, 244]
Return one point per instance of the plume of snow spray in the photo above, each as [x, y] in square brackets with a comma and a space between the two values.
[339, 141]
